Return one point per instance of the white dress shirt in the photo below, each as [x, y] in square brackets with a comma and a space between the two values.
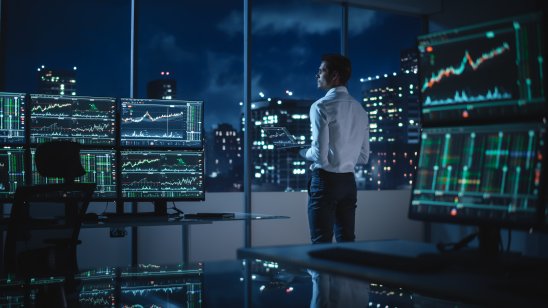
[340, 132]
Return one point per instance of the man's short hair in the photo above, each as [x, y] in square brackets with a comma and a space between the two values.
[340, 64]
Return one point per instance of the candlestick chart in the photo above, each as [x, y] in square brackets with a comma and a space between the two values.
[480, 170]
[162, 174]
[100, 167]
[12, 118]
[89, 121]
[12, 171]
[176, 124]
[480, 72]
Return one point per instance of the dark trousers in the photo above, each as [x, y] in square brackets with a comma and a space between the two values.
[331, 206]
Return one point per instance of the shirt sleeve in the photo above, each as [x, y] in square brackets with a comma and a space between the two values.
[364, 152]
[319, 146]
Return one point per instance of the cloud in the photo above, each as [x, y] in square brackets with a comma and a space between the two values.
[232, 24]
[223, 90]
[299, 19]
[166, 45]
[360, 21]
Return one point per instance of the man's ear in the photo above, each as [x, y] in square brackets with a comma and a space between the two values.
[335, 78]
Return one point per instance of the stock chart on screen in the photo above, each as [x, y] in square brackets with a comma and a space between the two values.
[12, 171]
[87, 120]
[151, 175]
[491, 71]
[480, 173]
[100, 167]
[161, 123]
[12, 118]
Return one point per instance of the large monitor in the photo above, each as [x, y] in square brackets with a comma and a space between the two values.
[134, 149]
[162, 175]
[86, 120]
[100, 167]
[12, 118]
[12, 171]
[480, 175]
[485, 73]
[156, 123]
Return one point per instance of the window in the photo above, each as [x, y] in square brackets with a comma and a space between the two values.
[382, 48]
[82, 46]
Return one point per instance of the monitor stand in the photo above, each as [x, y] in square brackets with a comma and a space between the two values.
[160, 207]
[489, 256]
[489, 241]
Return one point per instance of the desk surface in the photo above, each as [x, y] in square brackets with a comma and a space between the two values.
[144, 220]
[471, 286]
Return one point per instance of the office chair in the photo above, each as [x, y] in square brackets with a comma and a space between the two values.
[45, 221]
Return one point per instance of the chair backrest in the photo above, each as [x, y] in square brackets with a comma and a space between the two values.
[46, 219]
[59, 159]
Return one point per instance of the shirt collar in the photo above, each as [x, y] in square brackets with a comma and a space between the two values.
[337, 89]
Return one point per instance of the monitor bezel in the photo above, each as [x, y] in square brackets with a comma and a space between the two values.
[122, 144]
[94, 197]
[10, 197]
[153, 199]
[537, 113]
[26, 101]
[535, 220]
[112, 140]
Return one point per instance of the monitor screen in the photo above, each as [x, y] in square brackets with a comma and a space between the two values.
[12, 118]
[161, 123]
[12, 171]
[154, 175]
[480, 174]
[160, 286]
[487, 72]
[100, 167]
[86, 120]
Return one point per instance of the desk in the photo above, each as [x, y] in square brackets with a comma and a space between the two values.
[149, 221]
[516, 288]
[145, 220]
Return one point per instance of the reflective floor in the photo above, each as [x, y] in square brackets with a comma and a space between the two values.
[212, 284]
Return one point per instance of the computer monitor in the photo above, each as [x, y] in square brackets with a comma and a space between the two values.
[160, 286]
[100, 167]
[158, 123]
[489, 72]
[86, 120]
[152, 175]
[489, 176]
[12, 118]
[12, 171]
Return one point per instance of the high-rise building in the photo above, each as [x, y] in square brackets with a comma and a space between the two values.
[224, 159]
[163, 88]
[392, 103]
[227, 146]
[409, 67]
[409, 60]
[56, 81]
[280, 169]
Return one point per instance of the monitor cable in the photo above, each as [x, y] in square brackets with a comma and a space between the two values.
[446, 247]
[508, 244]
[181, 213]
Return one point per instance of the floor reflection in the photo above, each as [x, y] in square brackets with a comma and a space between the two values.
[142, 286]
[218, 284]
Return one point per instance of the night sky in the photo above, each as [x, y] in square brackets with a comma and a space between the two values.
[200, 44]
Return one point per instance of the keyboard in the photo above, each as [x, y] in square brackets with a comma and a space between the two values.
[130, 217]
[210, 216]
[420, 263]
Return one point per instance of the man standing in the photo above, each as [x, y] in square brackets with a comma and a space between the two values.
[340, 140]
